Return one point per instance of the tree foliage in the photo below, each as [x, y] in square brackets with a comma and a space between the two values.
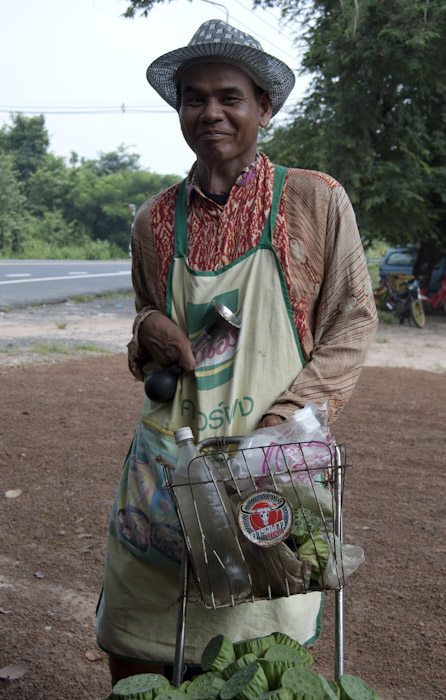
[51, 209]
[375, 114]
[141, 6]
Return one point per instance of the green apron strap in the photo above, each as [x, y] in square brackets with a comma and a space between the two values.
[280, 173]
[181, 222]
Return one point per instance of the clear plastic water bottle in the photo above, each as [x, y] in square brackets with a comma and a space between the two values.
[218, 561]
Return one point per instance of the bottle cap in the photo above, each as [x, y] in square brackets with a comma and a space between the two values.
[183, 434]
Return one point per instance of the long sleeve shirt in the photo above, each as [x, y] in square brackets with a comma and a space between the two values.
[320, 252]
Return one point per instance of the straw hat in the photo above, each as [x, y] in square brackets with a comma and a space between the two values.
[217, 41]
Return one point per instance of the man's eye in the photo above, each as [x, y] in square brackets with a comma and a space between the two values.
[193, 100]
[230, 99]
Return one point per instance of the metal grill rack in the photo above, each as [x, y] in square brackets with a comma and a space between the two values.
[290, 470]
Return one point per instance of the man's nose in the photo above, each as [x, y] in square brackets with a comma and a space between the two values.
[212, 110]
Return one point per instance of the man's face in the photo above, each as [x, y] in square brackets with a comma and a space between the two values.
[220, 114]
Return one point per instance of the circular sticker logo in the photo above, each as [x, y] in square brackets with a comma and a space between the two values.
[265, 518]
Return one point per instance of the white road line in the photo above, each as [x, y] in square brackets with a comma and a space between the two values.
[78, 273]
[19, 274]
[50, 279]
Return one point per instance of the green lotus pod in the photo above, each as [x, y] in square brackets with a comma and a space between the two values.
[172, 694]
[316, 551]
[256, 645]
[330, 692]
[236, 665]
[218, 653]
[143, 686]
[246, 684]
[303, 682]
[279, 694]
[354, 688]
[305, 522]
[297, 655]
[205, 687]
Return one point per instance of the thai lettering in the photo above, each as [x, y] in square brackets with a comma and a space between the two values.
[250, 402]
[218, 348]
[219, 417]
[186, 406]
[216, 419]
[230, 414]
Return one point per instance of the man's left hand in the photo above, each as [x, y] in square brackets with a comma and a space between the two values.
[270, 420]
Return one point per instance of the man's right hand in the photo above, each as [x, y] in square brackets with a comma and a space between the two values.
[166, 342]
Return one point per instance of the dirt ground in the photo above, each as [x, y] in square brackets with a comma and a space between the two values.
[67, 416]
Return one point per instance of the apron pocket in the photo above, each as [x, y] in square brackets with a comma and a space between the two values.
[143, 517]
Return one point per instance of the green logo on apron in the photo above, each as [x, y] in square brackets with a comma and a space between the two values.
[215, 361]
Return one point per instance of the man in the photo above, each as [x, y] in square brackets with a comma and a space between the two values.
[279, 248]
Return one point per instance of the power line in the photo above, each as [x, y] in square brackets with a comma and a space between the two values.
[248, 9]
[124, 109]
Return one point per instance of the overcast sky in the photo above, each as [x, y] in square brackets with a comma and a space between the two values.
[80, 57]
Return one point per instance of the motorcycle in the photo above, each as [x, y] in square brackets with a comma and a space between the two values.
[402, 296]
[434, 302]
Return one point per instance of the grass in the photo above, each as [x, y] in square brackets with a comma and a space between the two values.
[9, 351]
[61, 324]
[381, 340]
[83, 298]
[54, 348]
[373, 269]
[90, 348]
[49, 348]
[438, 367]
[114, 295]
[386, 317]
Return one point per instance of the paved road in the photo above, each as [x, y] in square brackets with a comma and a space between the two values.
[32, 282]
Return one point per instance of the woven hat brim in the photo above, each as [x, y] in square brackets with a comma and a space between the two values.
[274, 73]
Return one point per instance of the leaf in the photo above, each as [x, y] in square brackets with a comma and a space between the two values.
[12, 672]
[13, 493]
[85, 548]
[93, 655]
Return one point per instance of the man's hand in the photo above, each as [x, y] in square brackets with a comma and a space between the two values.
[270, 420]
[166, 342]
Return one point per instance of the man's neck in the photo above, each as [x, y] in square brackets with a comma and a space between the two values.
[220, 179]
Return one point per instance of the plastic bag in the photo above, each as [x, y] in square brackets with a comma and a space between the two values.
[343, 560]
[301, 445]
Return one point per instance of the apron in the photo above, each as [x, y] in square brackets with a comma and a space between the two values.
[239, 375]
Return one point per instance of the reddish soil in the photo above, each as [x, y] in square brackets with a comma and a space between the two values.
[64, 431]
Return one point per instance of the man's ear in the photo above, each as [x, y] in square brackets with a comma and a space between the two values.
[266, 110]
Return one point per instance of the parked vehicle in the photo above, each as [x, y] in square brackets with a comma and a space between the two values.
[401, 261]
[437, 300]
[398, 261]
[401, 294]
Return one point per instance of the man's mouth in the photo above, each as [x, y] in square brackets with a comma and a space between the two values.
[213, 134]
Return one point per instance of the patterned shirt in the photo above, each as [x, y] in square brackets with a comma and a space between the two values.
[317, 243]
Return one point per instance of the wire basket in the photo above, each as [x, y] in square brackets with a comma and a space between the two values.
[301, 556]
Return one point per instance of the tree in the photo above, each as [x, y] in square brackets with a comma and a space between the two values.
[143, 6]
[100, 204]
[374, 117]
[27, 140]
[12, 203]
[48, 209]
[113, 162]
